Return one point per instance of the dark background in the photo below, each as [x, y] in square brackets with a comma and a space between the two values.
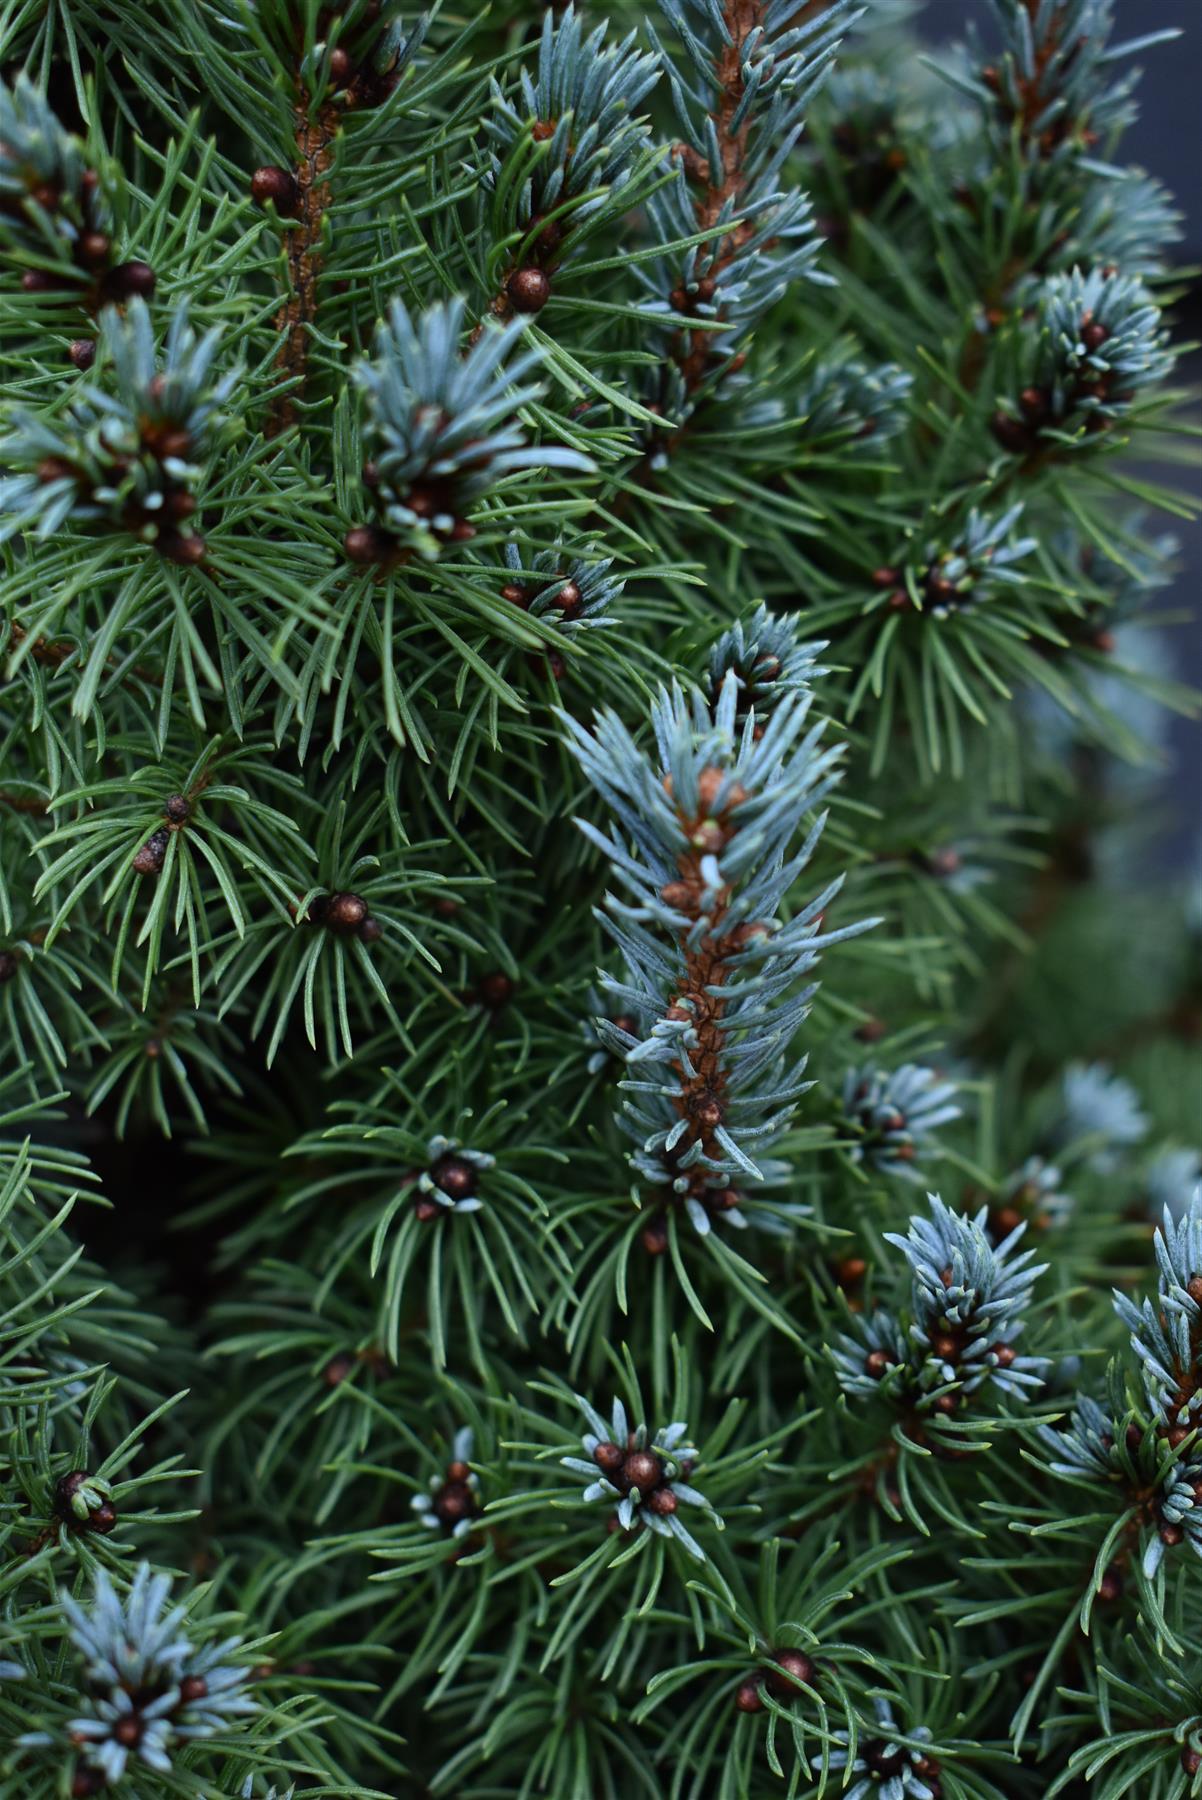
[1167, 142]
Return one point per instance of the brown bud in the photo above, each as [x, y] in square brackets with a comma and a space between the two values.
[338, 1368]
[1110, 1585]
[65, 1489]
[454, 1501]
[528, 290]
[455, 1176]
[1191, 1759]
[129, 281]
[608, 1458]
[426, 1209]
[643, 1470]
[662, 1502]
[655, 1236]
[747, 1699]
[515, 594]
[495, 989]
[1011, 434]
[1172, 1535]
[93, 248]
[82, 352]
[1193, 1288]
[344, 913]
[178, 548]
[128, 1730]
[192, 1688]
[1093, 334]
[103, 1518]
[177, 809]
[277, 185]
[364, 544]
[569, 599]
[150, 858]
[676, 894]
[341, 66]
[1003, 1355]
[38, 281]
[876, 1364]
[371, 931]
[709, 784]
[796, 1666]
[457, 1471]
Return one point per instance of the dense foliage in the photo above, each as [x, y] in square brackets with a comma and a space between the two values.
[598, 1172]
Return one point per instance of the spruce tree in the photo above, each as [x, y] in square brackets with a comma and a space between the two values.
[598, 1173]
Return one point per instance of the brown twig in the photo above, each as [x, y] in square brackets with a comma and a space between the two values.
[703, 1091]
[53, 654]
[314, 138]
[724, 184]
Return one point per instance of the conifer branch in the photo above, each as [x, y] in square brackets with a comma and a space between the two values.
[712, 993]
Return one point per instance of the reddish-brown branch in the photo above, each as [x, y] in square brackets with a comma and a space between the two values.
[314, 138]
[43, 651]
[53, 655]
[702, 1100]
[724, 184]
